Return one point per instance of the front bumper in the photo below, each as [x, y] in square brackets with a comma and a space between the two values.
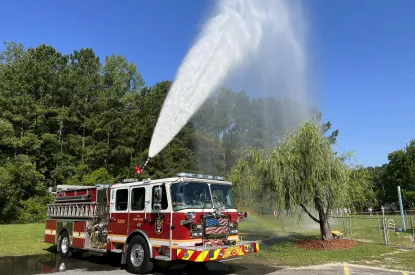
[216, 253]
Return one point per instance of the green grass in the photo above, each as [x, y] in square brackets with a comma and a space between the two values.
[286, 253]
[282, 251]
[18, 240]
[22, 239]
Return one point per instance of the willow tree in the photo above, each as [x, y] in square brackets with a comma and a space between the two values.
[304, 171]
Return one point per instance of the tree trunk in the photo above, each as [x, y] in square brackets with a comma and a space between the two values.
[325, 229]
[323, 221]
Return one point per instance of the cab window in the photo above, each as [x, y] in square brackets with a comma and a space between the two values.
[164, 204]
[121, 199]
[138, 196]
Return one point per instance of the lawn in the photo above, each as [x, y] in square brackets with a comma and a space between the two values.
[286, 253]
[22, 239]
[281, 250]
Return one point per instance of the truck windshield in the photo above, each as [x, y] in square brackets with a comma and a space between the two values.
[196, 195]
[223, 196]
[187, 195]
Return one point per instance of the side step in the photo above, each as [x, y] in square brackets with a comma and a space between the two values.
[162, 258]
[96, 250]
[116, 251]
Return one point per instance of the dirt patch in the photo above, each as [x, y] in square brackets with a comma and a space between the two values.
[334, 244]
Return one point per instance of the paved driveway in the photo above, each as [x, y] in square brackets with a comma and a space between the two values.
[243, 269]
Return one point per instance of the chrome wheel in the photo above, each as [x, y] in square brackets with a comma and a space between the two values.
[137, 255]
[64, 245]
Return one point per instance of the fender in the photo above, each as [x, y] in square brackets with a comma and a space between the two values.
[130, 236]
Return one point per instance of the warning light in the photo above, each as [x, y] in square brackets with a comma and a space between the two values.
[138, 170]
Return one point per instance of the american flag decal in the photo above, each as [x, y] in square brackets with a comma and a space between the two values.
[216, 226]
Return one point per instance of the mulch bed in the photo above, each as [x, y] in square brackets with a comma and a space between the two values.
[334, 244]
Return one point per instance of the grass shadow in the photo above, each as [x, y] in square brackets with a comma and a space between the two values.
[51, 249]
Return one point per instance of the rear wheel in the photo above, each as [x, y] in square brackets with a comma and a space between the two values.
[138, 256]
[64, 245]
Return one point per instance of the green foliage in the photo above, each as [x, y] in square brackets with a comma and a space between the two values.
[399, 171]
[99, 176]
[19, 181]
[72, 119]
[34, 209]
[303, 170]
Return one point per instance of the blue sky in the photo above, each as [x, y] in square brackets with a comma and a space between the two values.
[362, 54]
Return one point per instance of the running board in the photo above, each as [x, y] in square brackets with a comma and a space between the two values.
[162, 258]
[116, 251]
[96, 250]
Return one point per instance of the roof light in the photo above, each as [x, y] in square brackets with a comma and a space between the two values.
[189, 175]
[128, 180]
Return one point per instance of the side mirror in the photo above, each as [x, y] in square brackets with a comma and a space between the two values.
[157, 195]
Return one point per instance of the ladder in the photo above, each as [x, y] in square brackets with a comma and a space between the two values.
[75, 210]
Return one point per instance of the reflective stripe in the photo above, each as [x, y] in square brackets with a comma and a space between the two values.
[50, 232]
[218, 253]
[80, 235]
[166, 242]
[117, 238]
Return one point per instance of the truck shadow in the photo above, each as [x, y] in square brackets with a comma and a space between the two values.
[112, 262]
[51, 263]
[215, 268]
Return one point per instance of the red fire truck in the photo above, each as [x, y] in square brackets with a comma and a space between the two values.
[189, 217]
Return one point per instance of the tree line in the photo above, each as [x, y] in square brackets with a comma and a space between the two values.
[399, 171]
[72, 119]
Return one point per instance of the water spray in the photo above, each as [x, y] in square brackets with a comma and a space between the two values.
[239, 29]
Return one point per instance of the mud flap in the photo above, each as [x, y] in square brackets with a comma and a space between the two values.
[124, 254]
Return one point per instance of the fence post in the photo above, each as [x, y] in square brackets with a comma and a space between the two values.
[413, 233]
[385, 226]
[377, 217]
[387, 230]
[345, 225]
[351, 230]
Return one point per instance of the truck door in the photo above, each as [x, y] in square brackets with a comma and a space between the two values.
[137, 208]
[118, 225]
[160, 220]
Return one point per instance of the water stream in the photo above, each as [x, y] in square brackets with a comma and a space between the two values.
[235, 32]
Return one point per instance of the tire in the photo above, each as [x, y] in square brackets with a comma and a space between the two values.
[65, 249]
[138, 256]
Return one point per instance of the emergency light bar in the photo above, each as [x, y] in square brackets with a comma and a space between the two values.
[128, 180]
[200, 176]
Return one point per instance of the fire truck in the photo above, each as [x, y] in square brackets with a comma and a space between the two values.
[189, 217]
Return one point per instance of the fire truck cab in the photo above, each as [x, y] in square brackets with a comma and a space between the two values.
[189, 217]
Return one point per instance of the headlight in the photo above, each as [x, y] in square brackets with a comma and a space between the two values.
[196, 234]
[233, 225]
